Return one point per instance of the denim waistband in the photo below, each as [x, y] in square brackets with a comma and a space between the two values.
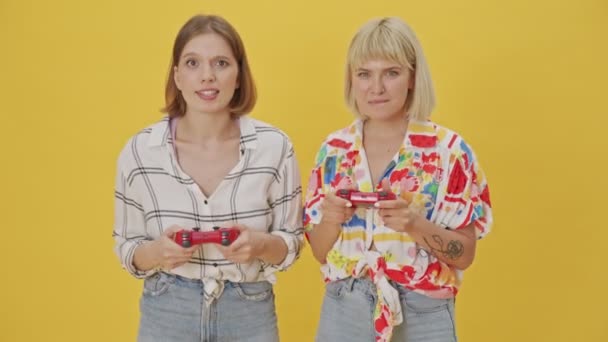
[195, 283]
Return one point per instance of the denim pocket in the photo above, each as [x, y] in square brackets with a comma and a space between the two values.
[255, 291]
[157, 284]
[335, 288]
[420, 303]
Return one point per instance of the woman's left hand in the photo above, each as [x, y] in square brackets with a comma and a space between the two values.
[247, 247]
[396, 214]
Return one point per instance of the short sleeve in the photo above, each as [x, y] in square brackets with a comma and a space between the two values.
[466, 195]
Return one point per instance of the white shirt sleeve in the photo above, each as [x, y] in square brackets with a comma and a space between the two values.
[286, 203]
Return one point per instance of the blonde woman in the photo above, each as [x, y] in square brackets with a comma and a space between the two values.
[393, 267]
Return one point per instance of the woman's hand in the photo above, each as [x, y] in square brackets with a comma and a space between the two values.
[167, 253]
[397, 214]
[336, 210]
[247, 247]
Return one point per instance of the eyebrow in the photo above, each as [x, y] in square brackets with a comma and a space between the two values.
[389, 68]
[194, 54]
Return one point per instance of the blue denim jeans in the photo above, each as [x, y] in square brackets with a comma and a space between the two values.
[348, 310]
[172, 309]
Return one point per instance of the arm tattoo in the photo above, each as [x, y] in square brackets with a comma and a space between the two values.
[453, 250]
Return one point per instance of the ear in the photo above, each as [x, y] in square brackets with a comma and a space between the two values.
[176, 78]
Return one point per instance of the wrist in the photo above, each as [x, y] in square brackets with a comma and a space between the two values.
[154, 252]
[263, 243]
[145, 256]
[417, 224]
[324, 225]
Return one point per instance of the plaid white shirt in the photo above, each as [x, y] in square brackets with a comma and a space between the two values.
[263, 192]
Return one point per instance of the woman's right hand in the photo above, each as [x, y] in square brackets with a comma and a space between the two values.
[164, 252]
[336, 210]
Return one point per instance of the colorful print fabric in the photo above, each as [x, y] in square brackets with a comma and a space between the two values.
[437, 172]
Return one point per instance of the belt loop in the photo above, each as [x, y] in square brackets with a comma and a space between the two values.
[350, 283]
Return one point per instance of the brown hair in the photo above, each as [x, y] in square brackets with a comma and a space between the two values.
[244, 97]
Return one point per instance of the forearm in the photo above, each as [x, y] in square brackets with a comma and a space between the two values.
[454, 247]
[322, 239]
[274, 250]
[145, 256]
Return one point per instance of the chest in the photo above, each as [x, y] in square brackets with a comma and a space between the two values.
[414, 175]
[208, 165]
[380, 155]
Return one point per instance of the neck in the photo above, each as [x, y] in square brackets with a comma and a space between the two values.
[202, 128]
[387, 128]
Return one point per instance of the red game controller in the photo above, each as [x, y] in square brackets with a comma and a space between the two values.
[223, 236]
[358, 198]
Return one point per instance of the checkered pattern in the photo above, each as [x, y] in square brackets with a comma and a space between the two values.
[262, 192]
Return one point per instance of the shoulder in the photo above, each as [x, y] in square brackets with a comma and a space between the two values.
[451, 143]
[426, 134]
[267, 134]
[454, 142]
[342, 140]
[137, 146]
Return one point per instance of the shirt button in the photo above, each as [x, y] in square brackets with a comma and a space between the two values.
[205, 202]
[214, 264]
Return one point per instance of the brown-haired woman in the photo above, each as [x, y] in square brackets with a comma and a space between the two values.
[208, 165]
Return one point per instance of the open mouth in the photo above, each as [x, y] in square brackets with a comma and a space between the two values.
[209, 94]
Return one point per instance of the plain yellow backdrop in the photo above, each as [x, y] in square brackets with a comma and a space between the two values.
[523, 81]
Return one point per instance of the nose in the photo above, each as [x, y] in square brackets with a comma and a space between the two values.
[377, 86]
[207, 75]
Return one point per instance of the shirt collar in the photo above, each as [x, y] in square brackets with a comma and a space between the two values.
[161, 133]
[420, 133]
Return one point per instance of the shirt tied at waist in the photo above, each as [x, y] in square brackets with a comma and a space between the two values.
[387, 313]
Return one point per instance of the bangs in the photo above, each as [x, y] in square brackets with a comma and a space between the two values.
[380, 43]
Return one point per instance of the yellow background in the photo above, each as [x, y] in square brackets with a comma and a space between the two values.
[524, 81]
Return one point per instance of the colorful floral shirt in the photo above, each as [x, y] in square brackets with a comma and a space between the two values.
[437, 172]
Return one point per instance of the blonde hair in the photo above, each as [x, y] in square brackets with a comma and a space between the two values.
[392, 39]
[244, 97]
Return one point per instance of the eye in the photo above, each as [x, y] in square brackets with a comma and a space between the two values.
[393, 73]
[222, 63]
[362, 74]
[191, 63]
